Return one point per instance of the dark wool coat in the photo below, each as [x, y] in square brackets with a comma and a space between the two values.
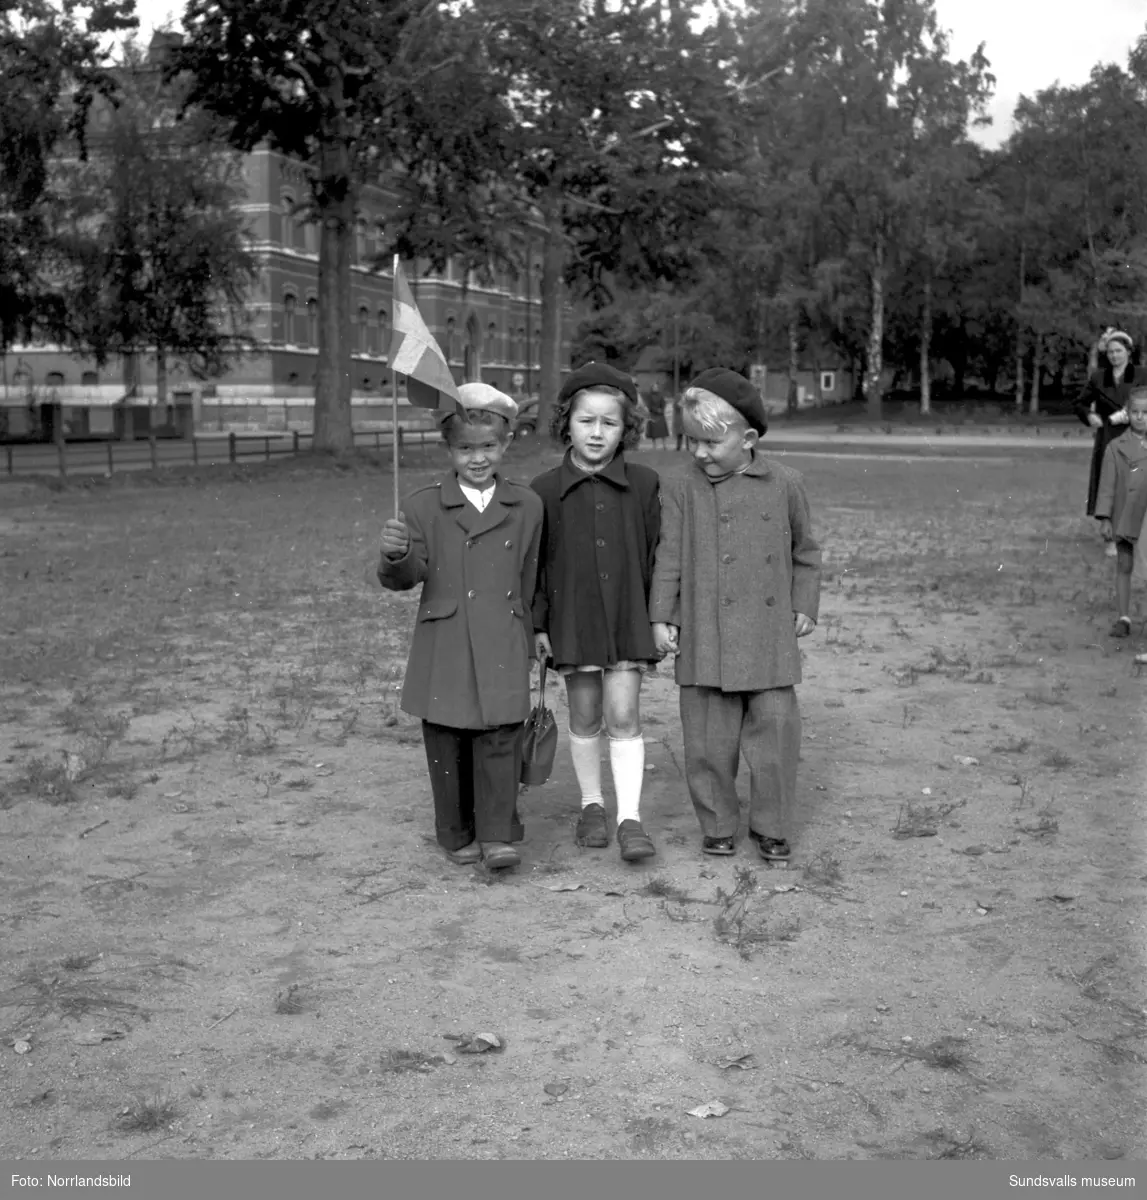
[736, 560]
[596, 562]
[469, 664]
[1123, 487]
[1108, 397]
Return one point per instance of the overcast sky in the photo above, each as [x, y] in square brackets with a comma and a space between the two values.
[1031, 44]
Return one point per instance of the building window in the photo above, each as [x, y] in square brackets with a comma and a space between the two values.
[90, 379]
[54, 379]
[451, 339]
[311, 238]
[492, 342]
[312, 322]
[287, 203]
[360, 248]
[828, 381]
[384, 333]
[290, 304]
[364, 331]
[520, 357]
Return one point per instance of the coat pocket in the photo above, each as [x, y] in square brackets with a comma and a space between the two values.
[435, 610]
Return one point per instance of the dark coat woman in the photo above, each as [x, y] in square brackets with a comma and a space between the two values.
[1106, 396]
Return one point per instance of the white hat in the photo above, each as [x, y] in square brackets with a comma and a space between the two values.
[475, 396]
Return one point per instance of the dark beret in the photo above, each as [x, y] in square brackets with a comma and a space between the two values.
[738, 391]
[595, 374]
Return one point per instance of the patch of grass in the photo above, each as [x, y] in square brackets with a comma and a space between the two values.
[1049, 697]
[288, 1002]
[399, 1061]
[1015, 746]
[733, 925]
[78, 962]
[124, 789]
[145, 1114]
[664, 888]
[824, 869]
[1045, 824]
[922, 820]
[1058, 761]
[300, 785]
[945, 1054]
[48, 781]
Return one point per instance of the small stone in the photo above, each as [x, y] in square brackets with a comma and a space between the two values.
[906, 1039]
[904, 893]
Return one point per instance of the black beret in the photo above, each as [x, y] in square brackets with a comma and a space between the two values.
[737, 391]
[595, 374]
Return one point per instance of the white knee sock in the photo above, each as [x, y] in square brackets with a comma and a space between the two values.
[586, 755]
[627, 760]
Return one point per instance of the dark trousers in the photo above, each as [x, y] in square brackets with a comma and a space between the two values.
[474, 776]
[718, 728]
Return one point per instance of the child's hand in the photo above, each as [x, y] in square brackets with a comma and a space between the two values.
[804, 625]
[395, 537]
[1105, 530]
[542, 647]
[1122, 417]
[1095, 420]
[665, 638]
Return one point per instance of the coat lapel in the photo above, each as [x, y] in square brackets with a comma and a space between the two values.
[468, 517]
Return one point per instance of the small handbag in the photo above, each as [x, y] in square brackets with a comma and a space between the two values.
[540, 744]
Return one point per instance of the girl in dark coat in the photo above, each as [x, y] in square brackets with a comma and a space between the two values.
[602, 518]
[1103, 403]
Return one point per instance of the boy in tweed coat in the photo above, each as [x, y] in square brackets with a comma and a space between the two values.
[735, 583]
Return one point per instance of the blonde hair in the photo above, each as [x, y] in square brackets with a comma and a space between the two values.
[452, 422]
[712, 412]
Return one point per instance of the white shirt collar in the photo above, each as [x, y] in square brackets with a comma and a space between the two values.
[478, 498]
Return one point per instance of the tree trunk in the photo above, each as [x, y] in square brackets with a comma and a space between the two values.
[1037, 368]
[926, 348]
[1020, 332]
[960, 363]
[794, 365]
[161, 378]
[334, 200]
[874, 358]
[125, 429]
[553, 298]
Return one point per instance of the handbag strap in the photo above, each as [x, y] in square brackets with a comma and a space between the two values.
[542, 682]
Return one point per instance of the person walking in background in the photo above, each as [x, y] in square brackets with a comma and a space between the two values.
[677, 430]
[1103, 406]
[736, 582]
[657, 428]
[1121, 504]
[591, 608]
[471, 539]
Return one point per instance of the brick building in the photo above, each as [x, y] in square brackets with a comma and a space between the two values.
[489, 331]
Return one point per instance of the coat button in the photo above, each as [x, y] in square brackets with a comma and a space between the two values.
[770, 602]
[726, 558]
[509, 595]
[601, 541]
[767, 516]
[469, 543]
[605, 574]
[601, 508]
[768, 558]
[727, 601]
[471, 594]
[509, 545]
[724, 518]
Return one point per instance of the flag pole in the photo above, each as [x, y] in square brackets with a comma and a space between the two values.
[394, 391]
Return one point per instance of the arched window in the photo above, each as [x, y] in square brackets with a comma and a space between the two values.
[90, 379]
[312, 322]
[290, 304]
[451, 346]
[360, 247]
[287, 204]
[536, 347]
[364, 331]
[520, 356]
[492, 342]
[54, 379]
[384, 333]
[311, 237]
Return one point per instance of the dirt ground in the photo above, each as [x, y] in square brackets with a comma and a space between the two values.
[227, 932]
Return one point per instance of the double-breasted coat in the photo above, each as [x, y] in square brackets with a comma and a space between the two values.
[736, 560]
[469, 664]
[1123, 487]
[1103, 395]
[596, 562]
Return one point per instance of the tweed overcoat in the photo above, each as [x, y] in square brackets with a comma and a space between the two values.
[1123, 487]
[1108, 397]
[469, 664]
[596, 562]
[736, 560]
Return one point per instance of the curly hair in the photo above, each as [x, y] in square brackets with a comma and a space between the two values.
[712, 412]
[632, 414]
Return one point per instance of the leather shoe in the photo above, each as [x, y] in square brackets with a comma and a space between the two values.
[592, 830]
[635, 843]
[465, 856]
[719, 845]
[497, 855]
